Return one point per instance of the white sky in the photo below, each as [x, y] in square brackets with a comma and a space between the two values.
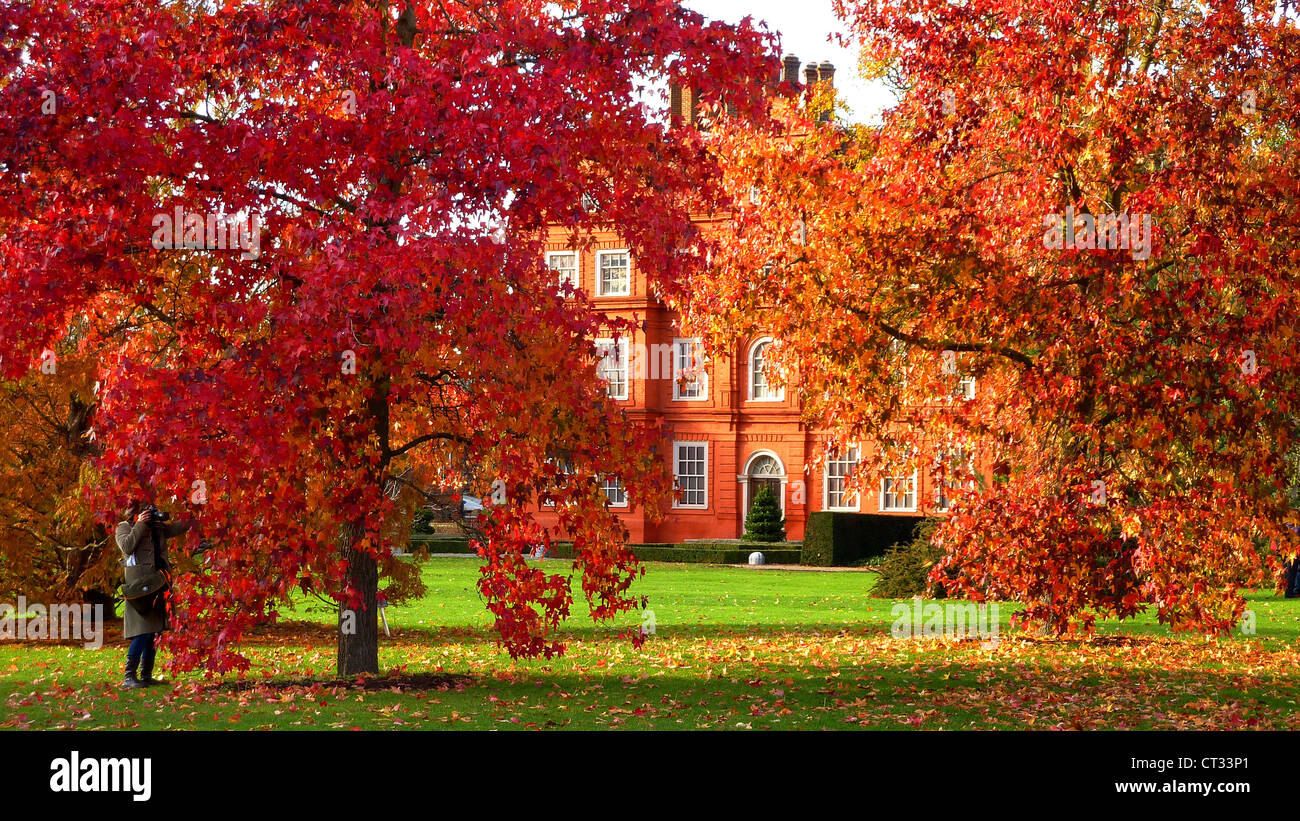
[805, 26]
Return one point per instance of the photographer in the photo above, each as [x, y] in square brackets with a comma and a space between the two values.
[1291, 570]
[142, 538]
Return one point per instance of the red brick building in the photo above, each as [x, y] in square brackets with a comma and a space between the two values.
[729, 431]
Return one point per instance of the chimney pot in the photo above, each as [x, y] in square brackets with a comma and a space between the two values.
[791, 73]
[810, 75]
[826, 72]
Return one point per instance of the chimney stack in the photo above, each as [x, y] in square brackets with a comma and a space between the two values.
[681, 104]
[810, 76]
[791, 71]
[826, 78]
[826, 73]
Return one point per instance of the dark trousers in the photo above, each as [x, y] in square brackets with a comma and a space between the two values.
[141, 649]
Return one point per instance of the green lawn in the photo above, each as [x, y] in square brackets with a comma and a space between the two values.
[733, 648]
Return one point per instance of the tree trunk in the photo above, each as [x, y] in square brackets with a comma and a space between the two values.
[358, 631]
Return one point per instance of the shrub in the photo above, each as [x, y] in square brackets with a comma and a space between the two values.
[764, 522]
[423, 521]
[905, 571]
[834, 538]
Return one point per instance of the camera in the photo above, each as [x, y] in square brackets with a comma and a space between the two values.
[156, 515]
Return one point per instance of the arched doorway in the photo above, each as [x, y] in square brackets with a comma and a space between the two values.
[764, 469]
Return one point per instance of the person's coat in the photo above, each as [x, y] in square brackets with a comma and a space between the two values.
[148, 614]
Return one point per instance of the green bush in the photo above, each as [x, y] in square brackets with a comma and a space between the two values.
[423, 521]
[835, 539]
[764, 522]
[695, 552]
[905, 570]
[819, 540]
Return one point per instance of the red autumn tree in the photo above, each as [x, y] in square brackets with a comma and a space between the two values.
[1091, 212]
[353, 194]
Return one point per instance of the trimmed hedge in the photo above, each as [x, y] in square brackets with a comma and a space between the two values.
[834, 539]
[693, 552]
[441, 544]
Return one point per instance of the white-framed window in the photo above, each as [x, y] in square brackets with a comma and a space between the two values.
[760, 389]
[963, 384]
[956, 461]
[614, 491]
[691, 473]
[564, 266]
[965, 388]
[898, 492]
[689, 380]
[612, 366]
[941, 500]
[613, 273]
[898, 352]
[839, 493]
[565, 468]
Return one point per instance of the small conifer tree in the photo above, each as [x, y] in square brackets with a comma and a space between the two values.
[764, 522]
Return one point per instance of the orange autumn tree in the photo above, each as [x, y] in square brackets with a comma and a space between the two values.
[52, 546]
[1088, 217]
[357, 192]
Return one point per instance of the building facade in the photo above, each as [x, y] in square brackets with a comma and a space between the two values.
[729, 431]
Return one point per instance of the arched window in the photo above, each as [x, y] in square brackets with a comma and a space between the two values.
[765, 465]
[759, 386]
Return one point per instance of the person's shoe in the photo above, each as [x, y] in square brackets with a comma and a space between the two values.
[146, 676]
[131, 682]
